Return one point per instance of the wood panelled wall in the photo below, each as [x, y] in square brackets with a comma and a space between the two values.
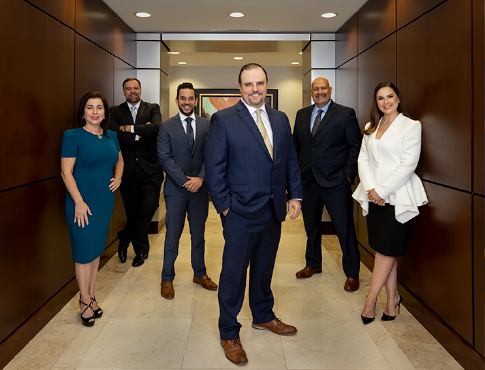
[433, 50]
[54, 51]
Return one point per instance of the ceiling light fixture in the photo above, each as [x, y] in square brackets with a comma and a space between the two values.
[301, 52]
[182, 62]
[236, 15]
[328, 15]
[238, 58]
[295, 63]
[143, 15]
[174, 52]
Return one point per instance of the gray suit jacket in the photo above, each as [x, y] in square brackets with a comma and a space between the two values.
[175, 157]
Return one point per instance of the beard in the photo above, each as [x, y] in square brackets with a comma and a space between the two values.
[188, 113]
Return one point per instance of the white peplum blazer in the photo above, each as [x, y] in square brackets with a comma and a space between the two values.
[387, 166]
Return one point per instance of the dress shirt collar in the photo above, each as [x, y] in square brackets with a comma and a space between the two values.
[252, 109]
[183, 117]
[137, 105]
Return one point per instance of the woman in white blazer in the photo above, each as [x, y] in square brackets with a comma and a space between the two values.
[389, 191]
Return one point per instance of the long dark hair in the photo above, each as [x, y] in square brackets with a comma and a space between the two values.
[82, 104]
[375, 112]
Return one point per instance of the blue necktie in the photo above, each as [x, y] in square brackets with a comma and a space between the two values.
[318, 119]
[190, 133]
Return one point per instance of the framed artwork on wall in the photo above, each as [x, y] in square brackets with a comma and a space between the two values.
[213, 100]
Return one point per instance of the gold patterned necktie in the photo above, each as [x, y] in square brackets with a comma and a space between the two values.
[264, 133]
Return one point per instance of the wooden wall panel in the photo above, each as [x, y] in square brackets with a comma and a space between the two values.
[437, 267]
[407, 10]
[346, 41]
[436, 86]
[95, 21]
[38, 106]
[376, 65]
[478, 96]
[478, 267]
[124, 40]
[94, 70]
[36, 254]
[62, 10]
[376, 20]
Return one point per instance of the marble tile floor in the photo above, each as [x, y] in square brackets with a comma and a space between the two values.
[141, 330]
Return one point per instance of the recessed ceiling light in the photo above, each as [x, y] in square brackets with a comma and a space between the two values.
[143, 15]
[328, 15]
[295, 63]
[237, 15]
[301, 52]
[182, 62]
[174, 52]
[238, 58]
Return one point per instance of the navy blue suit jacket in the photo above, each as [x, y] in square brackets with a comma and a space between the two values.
[176, 159]
[239, 170]
[331, 155]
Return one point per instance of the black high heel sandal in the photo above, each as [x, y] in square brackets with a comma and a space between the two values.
[368, 320]
[86, 320]
[99, 312]
[390, 318]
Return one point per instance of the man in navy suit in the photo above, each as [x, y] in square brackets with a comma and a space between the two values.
[250, 163]
[181, 144]
[137, 124]
[327, 139]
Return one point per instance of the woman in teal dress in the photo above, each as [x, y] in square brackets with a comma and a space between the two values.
[91, 167]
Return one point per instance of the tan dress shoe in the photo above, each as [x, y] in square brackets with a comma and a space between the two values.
[205, 282]
[307, 272]
[167, 291]
[351, 285]
[276, 326]
[234, 351]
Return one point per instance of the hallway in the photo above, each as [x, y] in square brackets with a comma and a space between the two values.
[141, 330]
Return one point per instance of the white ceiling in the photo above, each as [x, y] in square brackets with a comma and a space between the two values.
[211, 16]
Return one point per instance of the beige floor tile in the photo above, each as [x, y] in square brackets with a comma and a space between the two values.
[324, 344]
[38, 355]
[317, 302]
[430, 356]
[137, 343]
[145, 302]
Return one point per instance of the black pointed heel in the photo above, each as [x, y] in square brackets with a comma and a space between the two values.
[99, 312]
[86, 320]
[367, 320]
[390, 318]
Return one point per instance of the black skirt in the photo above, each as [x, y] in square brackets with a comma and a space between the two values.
[387, 235]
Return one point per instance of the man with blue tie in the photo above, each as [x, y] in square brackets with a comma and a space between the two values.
[181, 144]
[327, 139]
[137, 124]
[250, 164]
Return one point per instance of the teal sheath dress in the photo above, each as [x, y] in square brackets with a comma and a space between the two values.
[93, 170]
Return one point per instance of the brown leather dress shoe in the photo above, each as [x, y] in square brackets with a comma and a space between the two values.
[167, 290]
[351, 285]
[205, 282]
[276, 326]
[307, 272]
[234, 351]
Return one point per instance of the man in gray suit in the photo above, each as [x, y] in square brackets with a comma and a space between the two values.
[181, 144]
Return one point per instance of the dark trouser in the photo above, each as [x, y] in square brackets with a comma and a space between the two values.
[339, 203]
[253, 243]
[196, 206]
[141, 196]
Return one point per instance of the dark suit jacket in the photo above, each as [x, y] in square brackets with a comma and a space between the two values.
[239, 169]
[144, 149]
[331, 155]
[176, 159]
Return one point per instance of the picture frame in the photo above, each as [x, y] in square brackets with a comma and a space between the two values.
[213, 100]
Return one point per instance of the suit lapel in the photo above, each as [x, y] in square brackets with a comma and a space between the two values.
[307, 118]
[198, 130]
[243, 112]
[126, 111]
[276, 141]
[327, 117]
[140, 110]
